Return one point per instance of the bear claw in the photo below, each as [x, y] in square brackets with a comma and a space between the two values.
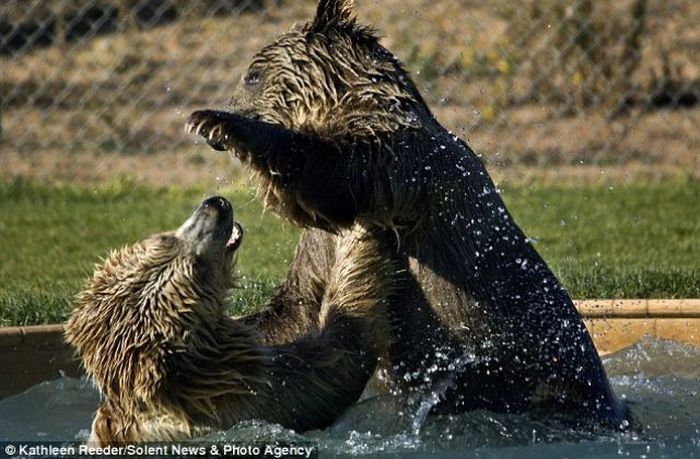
[206, 124]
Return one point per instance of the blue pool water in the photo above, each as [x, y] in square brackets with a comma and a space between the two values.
[659, 379]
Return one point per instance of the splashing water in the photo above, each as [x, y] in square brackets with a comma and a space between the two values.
[659, 379]
[426, 401]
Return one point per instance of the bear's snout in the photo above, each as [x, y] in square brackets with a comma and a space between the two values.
[210, 225]
[219, 203]
[216, 207]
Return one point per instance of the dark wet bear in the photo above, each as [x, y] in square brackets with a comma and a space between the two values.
[152, 332]
[336, 132]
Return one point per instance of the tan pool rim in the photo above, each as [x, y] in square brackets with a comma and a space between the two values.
[681, 308]
[32, 354]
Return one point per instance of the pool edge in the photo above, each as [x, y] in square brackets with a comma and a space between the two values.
[32, 354]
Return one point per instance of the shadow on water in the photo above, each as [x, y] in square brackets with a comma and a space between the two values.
[660, 380]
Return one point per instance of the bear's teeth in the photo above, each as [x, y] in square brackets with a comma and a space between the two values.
[236, 236]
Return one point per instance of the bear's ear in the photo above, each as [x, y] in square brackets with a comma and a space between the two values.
[333, 13]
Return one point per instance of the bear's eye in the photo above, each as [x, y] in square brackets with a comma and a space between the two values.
[252, 77]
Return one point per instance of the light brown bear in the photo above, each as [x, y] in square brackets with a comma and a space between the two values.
[152, 331]
[337, 132]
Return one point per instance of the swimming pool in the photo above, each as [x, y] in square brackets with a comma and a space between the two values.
[660, 380]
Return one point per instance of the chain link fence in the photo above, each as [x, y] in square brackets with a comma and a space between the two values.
[568, 89]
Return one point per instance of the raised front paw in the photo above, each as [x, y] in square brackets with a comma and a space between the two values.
[210, 125]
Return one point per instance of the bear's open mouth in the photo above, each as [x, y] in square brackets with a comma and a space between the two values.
[234, 241]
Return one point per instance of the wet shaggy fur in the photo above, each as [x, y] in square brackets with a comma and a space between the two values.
[151, 331]
[336, 132]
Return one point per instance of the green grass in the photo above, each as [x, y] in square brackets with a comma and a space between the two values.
[629, 241]
[51, 238]
[616, 242]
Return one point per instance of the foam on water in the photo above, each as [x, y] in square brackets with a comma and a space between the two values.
[659, 379]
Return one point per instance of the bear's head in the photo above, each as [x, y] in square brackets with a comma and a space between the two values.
[150, 301]
[330, 75]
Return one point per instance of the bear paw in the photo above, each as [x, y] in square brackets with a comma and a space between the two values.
[210, 125]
